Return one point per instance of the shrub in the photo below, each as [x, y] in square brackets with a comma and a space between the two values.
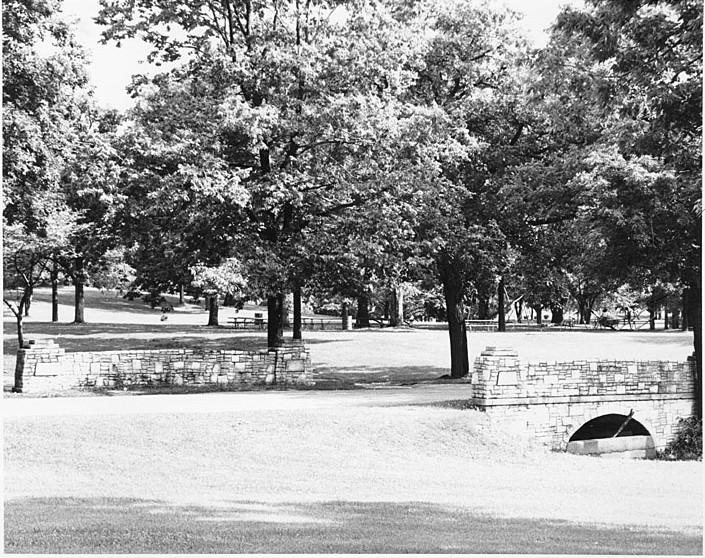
[688, 443]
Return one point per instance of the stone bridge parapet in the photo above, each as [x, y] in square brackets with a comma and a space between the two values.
[552, 400]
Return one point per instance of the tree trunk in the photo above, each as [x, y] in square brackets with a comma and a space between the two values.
[344, 313]
[591, 299]
[539, 317]
[55, 292]
[18, 313]
[396, 317]
[181, 294]
[585, 304]
[275, 323]
[695, 319]
[665, 318]
[286, 323]
[363, 311]
[675, 319]
[518, 308]
[686, 310]
[28, 302]
[501, 319]
[18, 387]
[652, 318]
[455, 309]
[213, 310]
[297, 313]
[79, 299]
[581, 310]
[483, 308]
[556, 314]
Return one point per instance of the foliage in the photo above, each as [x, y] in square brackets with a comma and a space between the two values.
[688, 443]
[42, 72]
[224, 279]
[113, 272]
[58, 165]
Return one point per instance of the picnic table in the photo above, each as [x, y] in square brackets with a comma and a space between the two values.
[607, 322]
[481, 325]
[313, 322]
[247, 323]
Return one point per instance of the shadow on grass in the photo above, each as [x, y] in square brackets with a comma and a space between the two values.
[122, 337]
[388, 375]
[120, 525]
[108, 301]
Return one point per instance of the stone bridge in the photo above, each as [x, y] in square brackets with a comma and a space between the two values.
[560, 402]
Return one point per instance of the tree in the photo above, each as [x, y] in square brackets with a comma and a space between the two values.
[88, 183]
[50, 159]
[25, 259]
[300, 101]
[469, 72]
[650, 55]
[226, 279]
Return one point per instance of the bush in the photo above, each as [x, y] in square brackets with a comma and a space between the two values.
[688, 443]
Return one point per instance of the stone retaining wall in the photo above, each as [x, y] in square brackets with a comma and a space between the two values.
[550, 401]
[44, 366]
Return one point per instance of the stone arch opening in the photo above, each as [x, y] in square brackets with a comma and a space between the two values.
[606, 426]
[602, 436]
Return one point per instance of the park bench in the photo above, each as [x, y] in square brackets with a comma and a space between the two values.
[247, 323]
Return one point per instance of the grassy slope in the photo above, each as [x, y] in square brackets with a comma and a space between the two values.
[379, 479]
[334, 478]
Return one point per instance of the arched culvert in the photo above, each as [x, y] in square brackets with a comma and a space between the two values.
[614, 435]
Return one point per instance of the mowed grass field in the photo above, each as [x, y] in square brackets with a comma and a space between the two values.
[397, 468]
[366, 356]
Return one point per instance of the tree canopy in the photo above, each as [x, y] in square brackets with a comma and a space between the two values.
[348, 146]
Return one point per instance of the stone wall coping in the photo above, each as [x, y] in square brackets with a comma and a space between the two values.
[562, 399]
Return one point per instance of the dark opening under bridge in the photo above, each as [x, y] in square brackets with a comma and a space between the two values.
[563, 402]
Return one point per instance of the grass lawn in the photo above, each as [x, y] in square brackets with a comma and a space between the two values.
[95, 526]
[329, 478]
[343, 357]
[399, 469]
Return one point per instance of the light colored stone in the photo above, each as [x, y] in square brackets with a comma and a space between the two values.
[295, 365]
[47, 369]
[507, 378]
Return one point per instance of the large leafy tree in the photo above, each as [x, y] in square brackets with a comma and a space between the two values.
[645, 177]
[301, 109]
[44, 108]
[469, 72]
